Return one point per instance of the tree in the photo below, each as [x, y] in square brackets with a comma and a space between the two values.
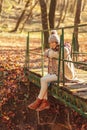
[72, 6]
[84, 4]
[1, 1]
[65, 9]
[44, 21]
[21, 16]
[61, 13]
[52, 13]
[29, 14]
[76, 22]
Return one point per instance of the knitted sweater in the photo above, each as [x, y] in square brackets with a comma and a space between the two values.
[53, 57]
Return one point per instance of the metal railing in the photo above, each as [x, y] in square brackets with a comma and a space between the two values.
[61, 54]
[60, 93]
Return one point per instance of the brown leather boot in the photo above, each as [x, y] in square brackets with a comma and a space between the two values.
[44, 105]
[35, 104]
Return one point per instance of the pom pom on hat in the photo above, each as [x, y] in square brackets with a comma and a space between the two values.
[54, 37]
[53, 32]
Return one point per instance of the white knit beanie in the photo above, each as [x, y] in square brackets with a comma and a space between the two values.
[54, 37]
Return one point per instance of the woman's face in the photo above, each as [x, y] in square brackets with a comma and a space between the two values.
[53, 45]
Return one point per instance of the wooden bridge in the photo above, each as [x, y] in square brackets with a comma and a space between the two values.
[72, 94]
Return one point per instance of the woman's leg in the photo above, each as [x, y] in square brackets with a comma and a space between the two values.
[43, 91]
[44, 85]
[41, 102]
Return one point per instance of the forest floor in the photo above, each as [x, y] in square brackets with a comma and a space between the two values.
[16, 93]
[15, 90]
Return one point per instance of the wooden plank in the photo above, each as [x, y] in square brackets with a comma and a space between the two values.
[79, 90]
[39, 71]
[81, 74]
[76, 86]
[82, 94]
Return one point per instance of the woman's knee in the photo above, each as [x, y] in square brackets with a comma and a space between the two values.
[42, 79]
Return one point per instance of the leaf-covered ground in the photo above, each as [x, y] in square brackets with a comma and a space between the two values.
[16, 93]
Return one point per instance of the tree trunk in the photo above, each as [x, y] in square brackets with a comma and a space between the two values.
[65, 10]
[72, 6]
[29, 15]
[44, 21]
[52, 13]
[76, 22]
[21, 16]
[1, 1]
[61, 14]
[84, 4]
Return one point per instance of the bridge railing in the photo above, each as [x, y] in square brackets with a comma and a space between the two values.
[75, 54]
[35, 55]
[63, 31]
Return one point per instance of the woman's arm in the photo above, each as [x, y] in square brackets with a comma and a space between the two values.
[66, 52]
[46, 53]
[53, 54]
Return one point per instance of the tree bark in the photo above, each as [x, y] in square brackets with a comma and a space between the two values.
[52, 13]
[76, 22]
[44, 21]
[1, 1]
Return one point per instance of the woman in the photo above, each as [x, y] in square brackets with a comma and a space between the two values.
[52, 53]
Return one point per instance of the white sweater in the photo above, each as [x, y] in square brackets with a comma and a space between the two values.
[53, 65]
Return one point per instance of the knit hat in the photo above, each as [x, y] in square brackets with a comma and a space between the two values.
[54, 37]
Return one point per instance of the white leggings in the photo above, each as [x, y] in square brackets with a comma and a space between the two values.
[44, 85]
